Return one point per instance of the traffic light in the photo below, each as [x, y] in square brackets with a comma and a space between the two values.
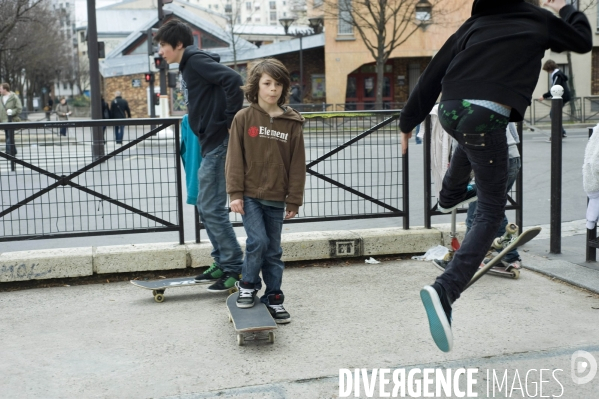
[156, 98]
[160, 63]
[149, 77]
[152, 47]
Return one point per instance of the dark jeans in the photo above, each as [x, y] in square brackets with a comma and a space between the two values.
[63, 131]
[512, 174]
[11, 148]
[486, 153]
[119, 131]
[213, 208]
[263, 225]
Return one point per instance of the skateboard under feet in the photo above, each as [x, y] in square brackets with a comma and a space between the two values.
[251, 324]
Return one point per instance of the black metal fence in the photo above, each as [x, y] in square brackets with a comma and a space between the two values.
[514, 200]
[355, 168]
[54, 186]
[586, 109]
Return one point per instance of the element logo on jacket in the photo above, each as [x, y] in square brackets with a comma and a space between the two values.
[253, 131]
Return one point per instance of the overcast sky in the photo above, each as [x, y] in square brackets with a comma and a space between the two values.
[81, 8]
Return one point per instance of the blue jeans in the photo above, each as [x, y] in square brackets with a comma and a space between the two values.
[263, 225]
[490, 164]
[119, 131]
[213, 208]
[514, 165]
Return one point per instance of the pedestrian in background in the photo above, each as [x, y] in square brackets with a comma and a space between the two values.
[9, 101]
[119, 109]
[557, 78]
[105, 115]
[62, 113]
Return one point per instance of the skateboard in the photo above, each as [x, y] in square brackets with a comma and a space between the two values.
[159, 286]
[507, 245]
[498, 244]
[253, 323]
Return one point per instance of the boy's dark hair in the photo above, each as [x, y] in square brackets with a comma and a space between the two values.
[549, 66]
[174, 32]
[5, 86]
[273, 68]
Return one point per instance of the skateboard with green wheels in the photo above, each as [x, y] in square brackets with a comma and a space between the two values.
[159, 286]
[251, 324]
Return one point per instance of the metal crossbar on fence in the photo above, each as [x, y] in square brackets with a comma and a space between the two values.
[355, 168]
[55, 186]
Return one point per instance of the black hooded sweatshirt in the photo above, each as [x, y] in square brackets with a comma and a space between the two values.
[213, 96]
[496, 55]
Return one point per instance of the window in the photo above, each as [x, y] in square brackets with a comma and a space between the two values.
[64, 85]
[248, 19]
[257, 19]
[273, 5]
[345, 18]
[273, 15]
[248, 5]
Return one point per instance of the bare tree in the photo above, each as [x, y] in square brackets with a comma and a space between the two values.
[30, 59]
[383, 25]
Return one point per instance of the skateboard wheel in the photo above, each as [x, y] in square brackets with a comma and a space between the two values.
[271, 337]
[159, 298]
[516, 274]
[511, 228]
[232, 290]
[154, 292]
[239, 339]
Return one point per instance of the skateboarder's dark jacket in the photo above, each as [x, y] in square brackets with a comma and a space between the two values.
[266, 157]
[213, 95]
[496, 55]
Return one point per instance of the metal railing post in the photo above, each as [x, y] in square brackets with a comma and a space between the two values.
[555, 243]
[520, 184]
[426, 146]
[591, 255]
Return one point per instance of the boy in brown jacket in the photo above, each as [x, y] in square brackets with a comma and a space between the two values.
[265, 173]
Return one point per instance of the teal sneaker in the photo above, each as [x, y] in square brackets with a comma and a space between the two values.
[225, 283]
[212, 274]
[438, 311]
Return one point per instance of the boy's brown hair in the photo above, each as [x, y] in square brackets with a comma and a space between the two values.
[273, 68]
[549, 66]
[5, 86]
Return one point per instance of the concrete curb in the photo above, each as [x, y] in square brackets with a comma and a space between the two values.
[76, 262]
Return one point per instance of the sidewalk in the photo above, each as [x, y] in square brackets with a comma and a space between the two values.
[112, 340]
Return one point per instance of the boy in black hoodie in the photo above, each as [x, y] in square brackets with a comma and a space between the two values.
[213, 96]
[487, 72]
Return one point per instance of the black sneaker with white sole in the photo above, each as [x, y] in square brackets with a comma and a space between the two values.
[225, 283]
[213, 273]
[438, 311]
[470, 197]
[246, 296]
[276, 309]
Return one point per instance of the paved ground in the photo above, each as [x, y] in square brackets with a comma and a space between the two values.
[113, 341]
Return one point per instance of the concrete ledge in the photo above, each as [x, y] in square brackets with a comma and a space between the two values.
[45, 264]
[139, 257]
[395, 240]
[445, 230]
[75, 262]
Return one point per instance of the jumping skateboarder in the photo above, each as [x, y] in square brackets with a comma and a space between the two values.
[487, 72]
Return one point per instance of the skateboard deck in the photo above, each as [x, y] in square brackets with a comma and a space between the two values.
[515, 241]
[159, 286]
[255, 323]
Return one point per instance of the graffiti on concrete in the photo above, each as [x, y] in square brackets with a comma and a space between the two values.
[23, 272]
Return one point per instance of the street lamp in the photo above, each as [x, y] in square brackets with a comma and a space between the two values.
[423, 13]
[316, 25]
